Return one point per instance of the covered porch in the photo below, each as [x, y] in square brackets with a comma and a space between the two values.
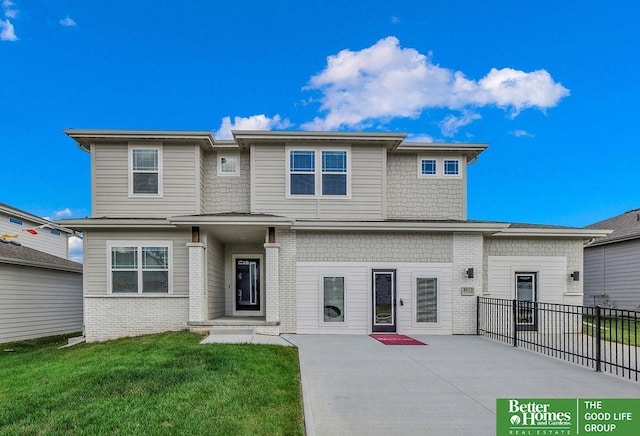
[234, 271]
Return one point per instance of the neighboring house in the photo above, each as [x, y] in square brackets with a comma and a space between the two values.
[40, 294]
[34, 232]
[612, 264]
[301, 232]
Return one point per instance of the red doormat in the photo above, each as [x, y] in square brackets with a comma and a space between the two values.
[397, 340]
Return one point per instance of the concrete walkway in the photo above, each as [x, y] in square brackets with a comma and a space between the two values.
[354, 385]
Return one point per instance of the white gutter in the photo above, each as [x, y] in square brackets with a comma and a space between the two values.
[90, 223]
[554, 232]
[232, 220]
[404, 226]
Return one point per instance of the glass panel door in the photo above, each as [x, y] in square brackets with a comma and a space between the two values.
[526, 315]
[384, 301]
[248, 284]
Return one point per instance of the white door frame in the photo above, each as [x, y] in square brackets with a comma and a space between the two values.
[235, 312]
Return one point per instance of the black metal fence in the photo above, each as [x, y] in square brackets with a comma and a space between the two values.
[601, 338]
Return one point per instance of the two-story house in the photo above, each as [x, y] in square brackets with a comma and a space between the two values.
[301, 232]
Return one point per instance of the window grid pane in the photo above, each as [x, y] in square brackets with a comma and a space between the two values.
[155, 258]
[302, 161]
[145, 160]
[124, 281]
[451, 167]
[334, 161]
[228, 164]
[333, 295]
[428, 166]
[426, 299]
[124, 258]
[303, 184]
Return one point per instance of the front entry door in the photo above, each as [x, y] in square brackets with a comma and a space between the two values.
[526, 315]
[384, 301]
[248, 284]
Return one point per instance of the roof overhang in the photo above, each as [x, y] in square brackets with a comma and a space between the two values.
[400, 226]
[553, 232]
[470, 151]
[236, 220]
[86, 137]
[45, 265]
[121, 223]
[613, 240]
[30, 217]
[245, 138]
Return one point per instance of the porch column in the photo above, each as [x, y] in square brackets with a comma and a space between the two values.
[272, 281]
[197, 291]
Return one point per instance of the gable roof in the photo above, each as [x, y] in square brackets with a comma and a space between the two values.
[13, 253]
[625, 227]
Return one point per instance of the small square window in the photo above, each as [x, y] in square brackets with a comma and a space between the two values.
[228, 165]
[428, 167]
[13, 220]
[55, 232]
[451, 167]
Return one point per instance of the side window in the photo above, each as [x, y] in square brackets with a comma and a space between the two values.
[302, 172]
[426, 299]
[451, 167]
[428, 167]
[334, 173]
[333, 298]
[439, 167]
[145, 176]
[228, 164]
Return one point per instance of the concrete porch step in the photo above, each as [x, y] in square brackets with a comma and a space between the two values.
[231, 331]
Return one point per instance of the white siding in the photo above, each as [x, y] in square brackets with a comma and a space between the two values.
[111, 183]
[96, 264]
[268, 181]
[359, 296]
[38, 302]
[44, 241]
[551, 276]
[215, 276]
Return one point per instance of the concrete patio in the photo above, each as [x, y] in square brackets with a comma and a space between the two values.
[354, 385]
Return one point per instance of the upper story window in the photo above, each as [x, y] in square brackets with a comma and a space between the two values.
[228, 164]
[429, 166]
[318, 173]
[13, 220]
[451, 167]
[145, 176]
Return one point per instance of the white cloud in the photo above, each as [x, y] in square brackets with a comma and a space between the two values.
[420, 138]
[7, 32]
[395, 20]
[450, 125]
[254, 122]
[9, 11]
[386, 81]
[62, 213]
[522, 133]
[67, 22]
[75, 249]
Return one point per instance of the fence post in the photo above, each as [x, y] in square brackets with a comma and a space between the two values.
[478, 315]
[598, 339]
[515, 330]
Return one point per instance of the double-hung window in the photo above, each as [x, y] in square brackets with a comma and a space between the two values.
[145, 171]
[318, 173]
[140, 267]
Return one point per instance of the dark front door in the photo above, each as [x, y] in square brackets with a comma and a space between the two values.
[384, 301]
[248, 284]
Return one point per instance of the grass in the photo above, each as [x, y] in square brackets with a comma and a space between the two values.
[158, 384]
[620, 330]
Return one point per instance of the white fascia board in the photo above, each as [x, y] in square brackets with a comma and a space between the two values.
[85, 137]
[231, 220]
[551, 232]
[399, 226]
[119, 223]
[248, 137]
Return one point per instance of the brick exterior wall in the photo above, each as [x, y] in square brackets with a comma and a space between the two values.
[569, 248]
[115, 317]
[373, 247]
[411, 197]
[226, 193]
[287, 239]
[467, 253]
[197, 292]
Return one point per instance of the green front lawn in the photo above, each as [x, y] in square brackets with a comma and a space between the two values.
[157, 384]
[620, 330]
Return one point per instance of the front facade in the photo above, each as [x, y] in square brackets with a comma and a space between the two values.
[300, 232]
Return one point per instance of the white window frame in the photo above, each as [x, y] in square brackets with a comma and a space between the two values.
[139, 245]
[414, 300]
[444, 162]
[440, 160]
[226, 155]
[322, 322]
[317, 171]
[159, 170]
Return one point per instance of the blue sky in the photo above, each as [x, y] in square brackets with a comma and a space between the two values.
[551, 86]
